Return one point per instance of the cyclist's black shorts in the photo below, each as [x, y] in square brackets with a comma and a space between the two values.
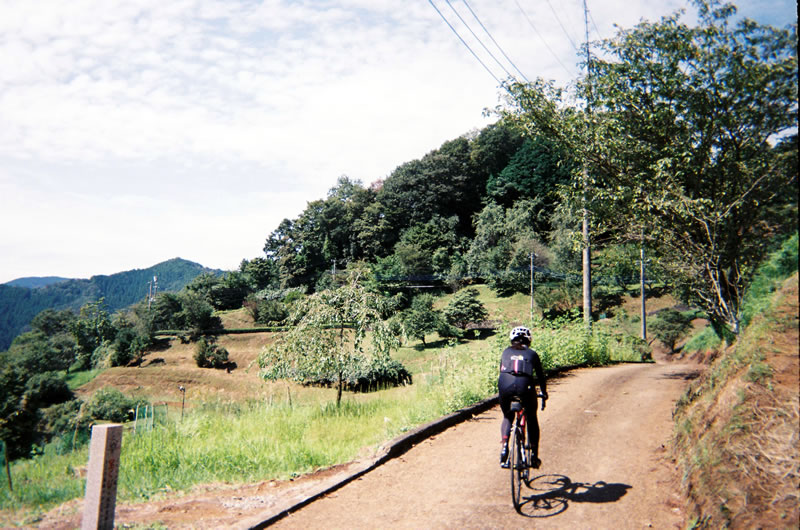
[510, 385]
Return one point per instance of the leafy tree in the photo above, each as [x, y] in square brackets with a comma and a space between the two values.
[493, 148]
[196, 314]
[535, 172]
[429, 248]
[504, 240]
[327, 341]
[91, 329]
[421, 319]
[445, 182]
[693, 144]
[670, 326]
[465, 308]
[326, 231]
[682, 145]
[263, 272]
[52, 322]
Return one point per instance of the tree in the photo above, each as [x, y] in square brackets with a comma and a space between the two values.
[262, 272]
[421, 319]
[92, 327]
[536, 172]
[504, 240]
[465, 308]
[327, 340]
[682, 145]
[670, 326]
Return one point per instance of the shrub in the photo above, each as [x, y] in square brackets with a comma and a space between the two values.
[380, 372]
[465, 308]
[208, 354]
[110, 404]
[670, 326]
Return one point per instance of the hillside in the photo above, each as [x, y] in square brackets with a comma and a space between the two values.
[18, 305]
[737, 426]
[34, 282]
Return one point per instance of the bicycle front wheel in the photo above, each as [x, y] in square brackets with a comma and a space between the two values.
[516, 466]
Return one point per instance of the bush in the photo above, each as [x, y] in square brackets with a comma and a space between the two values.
[111, 405]
[380, 372]
[670, 326]
[208, 354]
[465, 308]
[46, 389]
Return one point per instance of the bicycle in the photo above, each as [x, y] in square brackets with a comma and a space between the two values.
[521, 457]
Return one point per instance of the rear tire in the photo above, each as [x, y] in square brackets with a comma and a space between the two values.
[515, 461]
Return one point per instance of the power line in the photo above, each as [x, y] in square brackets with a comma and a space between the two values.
[464, 42]
[562, 25]
[530, 22]
[494, 41]
[599, 36]
[478, 39]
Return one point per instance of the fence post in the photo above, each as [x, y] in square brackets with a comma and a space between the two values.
[101, 478]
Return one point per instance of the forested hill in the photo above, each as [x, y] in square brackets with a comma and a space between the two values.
[18, 305]
[36, 281]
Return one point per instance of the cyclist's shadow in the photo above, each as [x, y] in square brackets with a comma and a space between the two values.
[552, 494]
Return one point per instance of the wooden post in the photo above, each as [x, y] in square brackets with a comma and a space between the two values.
[101, 478]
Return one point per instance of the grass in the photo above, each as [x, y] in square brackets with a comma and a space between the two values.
[736, 436]
[78, 379]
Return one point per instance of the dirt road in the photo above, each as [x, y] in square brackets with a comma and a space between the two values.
[605, 465]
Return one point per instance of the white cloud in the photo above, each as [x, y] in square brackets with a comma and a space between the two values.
[193, 117]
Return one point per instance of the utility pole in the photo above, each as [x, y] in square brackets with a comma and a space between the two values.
[587, 252]
[533, 255]
[642, 263]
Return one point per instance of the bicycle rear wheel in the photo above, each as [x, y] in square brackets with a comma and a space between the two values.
[516, 466]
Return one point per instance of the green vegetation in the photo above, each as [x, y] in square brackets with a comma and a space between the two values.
[736, 426]
[670, 326]
[18, 305]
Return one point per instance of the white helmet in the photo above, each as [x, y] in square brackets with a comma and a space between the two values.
[520, 331]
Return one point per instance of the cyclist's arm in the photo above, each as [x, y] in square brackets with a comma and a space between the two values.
[537, 366]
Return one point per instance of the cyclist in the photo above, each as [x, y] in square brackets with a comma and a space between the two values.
[518, 365]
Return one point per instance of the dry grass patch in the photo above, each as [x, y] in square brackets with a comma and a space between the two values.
[737, 425]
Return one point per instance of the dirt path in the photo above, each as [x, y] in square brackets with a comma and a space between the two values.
[605, 465]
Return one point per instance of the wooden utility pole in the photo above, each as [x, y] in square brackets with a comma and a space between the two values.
[641, 281]
[587, 251]
[533, 255]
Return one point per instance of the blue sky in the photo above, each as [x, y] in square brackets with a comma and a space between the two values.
[132, 132]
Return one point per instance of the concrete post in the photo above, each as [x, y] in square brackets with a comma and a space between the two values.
[101, 478]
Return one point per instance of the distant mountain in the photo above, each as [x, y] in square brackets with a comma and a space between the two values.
[19, 304]
[34, 282]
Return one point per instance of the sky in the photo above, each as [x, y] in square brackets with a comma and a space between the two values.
[136, 131]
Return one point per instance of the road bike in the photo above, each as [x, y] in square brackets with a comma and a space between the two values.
[521, 457]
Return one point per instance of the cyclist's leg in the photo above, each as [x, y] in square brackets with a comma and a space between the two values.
[505, 425]
[533, 427]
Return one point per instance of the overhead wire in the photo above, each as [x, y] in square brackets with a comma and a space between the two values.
[532, 25]
[596, 29]
[494, 41]
[478, 39]
[569, 38]
[465, 42]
